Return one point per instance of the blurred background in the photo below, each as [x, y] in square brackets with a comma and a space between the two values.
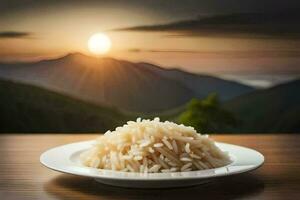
[89, 66]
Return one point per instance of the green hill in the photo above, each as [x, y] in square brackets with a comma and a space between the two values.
[271, 110]
[26, 108]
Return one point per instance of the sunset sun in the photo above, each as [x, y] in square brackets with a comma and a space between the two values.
[99, 43]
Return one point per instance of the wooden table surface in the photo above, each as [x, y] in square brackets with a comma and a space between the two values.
[23, 177]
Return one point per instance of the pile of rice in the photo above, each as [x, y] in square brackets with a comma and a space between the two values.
[152, 146]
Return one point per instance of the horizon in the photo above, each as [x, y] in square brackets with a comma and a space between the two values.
[256, 80]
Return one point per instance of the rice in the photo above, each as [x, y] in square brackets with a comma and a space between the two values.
[151, 146]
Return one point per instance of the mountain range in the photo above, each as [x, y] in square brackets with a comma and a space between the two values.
[135, 87]
[78, 93]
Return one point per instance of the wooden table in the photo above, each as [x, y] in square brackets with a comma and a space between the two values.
[23, 177]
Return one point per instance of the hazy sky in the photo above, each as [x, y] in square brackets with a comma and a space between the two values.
[211, 36]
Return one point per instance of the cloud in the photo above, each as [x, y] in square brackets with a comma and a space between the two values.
[248, 25]
[225, 53]
[14, 34]
[137, 50]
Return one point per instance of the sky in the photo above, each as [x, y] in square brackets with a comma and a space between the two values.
[255, 41]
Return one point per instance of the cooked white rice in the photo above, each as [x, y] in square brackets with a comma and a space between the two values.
[152, 146]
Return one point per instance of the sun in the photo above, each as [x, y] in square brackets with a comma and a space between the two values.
[99, 43]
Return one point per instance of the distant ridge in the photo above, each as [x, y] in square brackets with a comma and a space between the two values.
[202, 85]
[137, 87]
[271, 110]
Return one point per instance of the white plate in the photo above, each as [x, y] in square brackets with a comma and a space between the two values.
[66, 159]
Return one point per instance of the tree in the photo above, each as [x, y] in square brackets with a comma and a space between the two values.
[207, 115]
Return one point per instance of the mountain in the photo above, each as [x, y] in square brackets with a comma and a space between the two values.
[202, 85]
[26, 108]
[136, 87]
[104, 81]
[270, 110]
